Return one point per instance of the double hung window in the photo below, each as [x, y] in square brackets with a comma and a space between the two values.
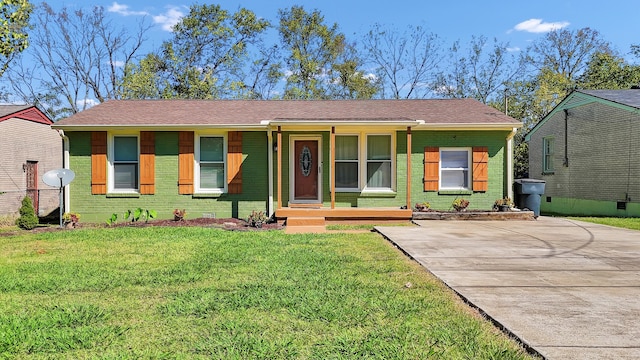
[347, 162]
[454, 169]
[211, 166]
[379, 161]
[125, 163]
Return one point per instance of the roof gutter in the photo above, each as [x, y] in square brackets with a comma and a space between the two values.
[469, 126]
[156, 127]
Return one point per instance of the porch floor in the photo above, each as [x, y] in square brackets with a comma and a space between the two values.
[379, 214]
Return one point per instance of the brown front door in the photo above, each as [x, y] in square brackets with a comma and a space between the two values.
[306, 170]
[32, 183]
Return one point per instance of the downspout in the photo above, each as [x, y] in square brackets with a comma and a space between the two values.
[566, 138]
[509, 182]
[65, 165]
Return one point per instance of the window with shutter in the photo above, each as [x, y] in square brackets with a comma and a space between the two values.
[480, 168]
[431, 178]
[147, 162]
[234, 162]
[99, 162]
[185, 162]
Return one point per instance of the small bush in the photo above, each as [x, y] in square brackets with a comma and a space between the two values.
[178, 215]
[257, 218]
[28, 219]
[460, 204]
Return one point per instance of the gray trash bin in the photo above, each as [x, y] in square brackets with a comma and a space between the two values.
[529, 194]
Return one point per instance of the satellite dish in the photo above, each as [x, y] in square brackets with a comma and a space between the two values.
[59, 177]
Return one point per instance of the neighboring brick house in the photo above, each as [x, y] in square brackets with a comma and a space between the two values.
[29, 148]
[334, 159]
[588, 151]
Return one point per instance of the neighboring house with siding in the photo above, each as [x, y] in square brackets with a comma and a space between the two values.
[336, 159]
[29, 148]
[587, 151]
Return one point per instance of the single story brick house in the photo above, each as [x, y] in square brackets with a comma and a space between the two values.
[340, 159]
[29, 148]
[587, 151]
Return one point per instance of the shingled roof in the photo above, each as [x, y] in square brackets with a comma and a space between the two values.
[24, 112]
[625, 97]
[172, 113]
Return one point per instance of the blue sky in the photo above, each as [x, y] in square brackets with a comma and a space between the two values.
[517, 22]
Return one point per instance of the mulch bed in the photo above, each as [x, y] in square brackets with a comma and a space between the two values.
[227, 224]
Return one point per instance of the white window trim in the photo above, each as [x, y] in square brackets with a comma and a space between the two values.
[196, 167]
[365, 161]
[358, 161]
[545, 165]
[469, 168]
[111, 158]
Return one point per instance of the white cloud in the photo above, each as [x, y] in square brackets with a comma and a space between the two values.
[513, 49]
[86, 103]
[118, 63]
[537, 26]
[169, 19]
[124, 10]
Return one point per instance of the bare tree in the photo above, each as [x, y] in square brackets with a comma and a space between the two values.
[405, 62]
[76, 58]
[566, 52]
[482, 74]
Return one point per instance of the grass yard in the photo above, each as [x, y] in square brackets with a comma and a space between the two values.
[628, 223]
[208, 293]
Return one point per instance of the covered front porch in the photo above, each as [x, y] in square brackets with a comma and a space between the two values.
[304, 204]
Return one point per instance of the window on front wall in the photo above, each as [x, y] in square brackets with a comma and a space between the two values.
[379, 161]
[454, 169]
[347, 162]
[125, 163]
[211, 166]
[547, 156]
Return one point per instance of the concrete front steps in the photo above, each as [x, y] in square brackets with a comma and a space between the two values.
[305, 224]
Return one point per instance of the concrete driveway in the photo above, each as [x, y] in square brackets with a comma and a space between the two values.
[565, 288]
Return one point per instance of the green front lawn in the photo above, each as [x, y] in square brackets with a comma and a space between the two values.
[627, 223]
[208, 293]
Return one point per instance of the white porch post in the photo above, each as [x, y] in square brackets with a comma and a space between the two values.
[270, 171]
[509, 154]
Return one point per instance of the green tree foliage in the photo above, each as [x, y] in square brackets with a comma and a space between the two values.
[28, 219]
[320, 62]
[405, 62]
[608, 71]
[205, 59]
[14, 23]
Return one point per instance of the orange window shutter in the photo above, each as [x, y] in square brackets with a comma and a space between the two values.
[431, 168]
[147, 162]
[480, 168]
[99, 162]
[234, 162]
[185, 162]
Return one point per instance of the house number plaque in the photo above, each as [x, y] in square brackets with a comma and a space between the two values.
[305, 161]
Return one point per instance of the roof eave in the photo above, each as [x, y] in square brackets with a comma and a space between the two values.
[164, 127]
[342, 122]
[469, 126]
